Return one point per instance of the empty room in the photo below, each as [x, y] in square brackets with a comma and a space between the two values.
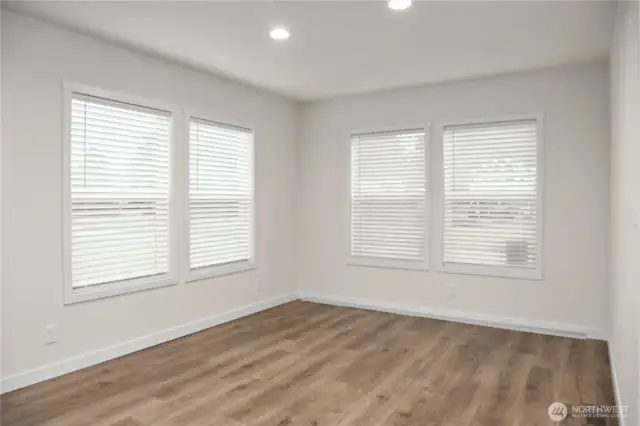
[320, 213]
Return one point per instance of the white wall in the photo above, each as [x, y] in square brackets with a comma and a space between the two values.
[1, 275]
[625, 197]
[36, 58]
[574, 292]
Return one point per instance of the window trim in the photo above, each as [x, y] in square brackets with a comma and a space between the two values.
[115, 288]
[494, 271]
[424, 265]
[207, 272]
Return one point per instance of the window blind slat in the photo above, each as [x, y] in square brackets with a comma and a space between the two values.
[490, 195]
[119, 191]
[388, 189]
[220, 194]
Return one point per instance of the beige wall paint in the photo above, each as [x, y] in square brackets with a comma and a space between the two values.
[625, 202]
[574, 291]
[36, 58]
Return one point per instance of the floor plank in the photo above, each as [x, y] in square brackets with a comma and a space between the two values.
[312, 364]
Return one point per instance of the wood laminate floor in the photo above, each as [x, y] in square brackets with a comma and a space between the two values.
[317, 365]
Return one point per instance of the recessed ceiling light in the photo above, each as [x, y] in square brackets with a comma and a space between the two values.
[399, 4]
[279, 33]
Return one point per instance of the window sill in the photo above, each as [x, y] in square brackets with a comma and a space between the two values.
[387, 263]
[488, 271]
[220, 270]
[116, 289]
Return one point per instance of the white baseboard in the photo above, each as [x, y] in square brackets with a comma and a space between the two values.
[88, 359]
[509, 323]
[614, 380]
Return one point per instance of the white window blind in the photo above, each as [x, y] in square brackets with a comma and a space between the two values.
[220, 194]
[491, 195]
[119, 191]
[388, 198]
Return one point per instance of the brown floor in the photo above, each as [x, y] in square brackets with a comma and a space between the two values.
[311, 364]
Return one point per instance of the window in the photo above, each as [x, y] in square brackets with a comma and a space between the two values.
[389, 199]
[492, 199]
[118, 177]
[220, 198]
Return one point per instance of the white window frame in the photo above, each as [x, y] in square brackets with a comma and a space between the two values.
[115, 288]
[389, 263]
[227, 268]
[495, 271]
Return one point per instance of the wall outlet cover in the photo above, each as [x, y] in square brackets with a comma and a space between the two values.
[451, 290]
[51, 334]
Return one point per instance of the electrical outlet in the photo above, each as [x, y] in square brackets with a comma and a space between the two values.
[51, 334]
[452, 290]
[257, 284]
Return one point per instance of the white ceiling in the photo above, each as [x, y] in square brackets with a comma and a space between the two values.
[343, 47]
